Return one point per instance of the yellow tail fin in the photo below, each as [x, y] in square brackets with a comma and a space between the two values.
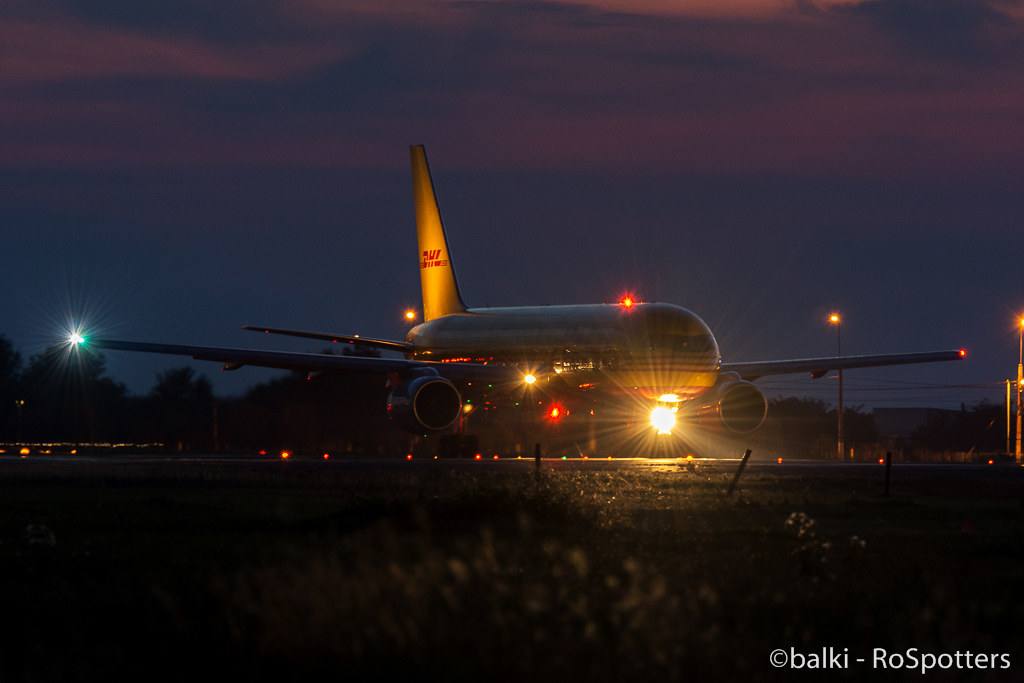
[437, 275]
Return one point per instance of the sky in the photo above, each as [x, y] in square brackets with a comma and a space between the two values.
[172, 171]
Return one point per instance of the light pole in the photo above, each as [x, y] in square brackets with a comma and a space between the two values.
[19, 403]
[839, 352]
[1008, 404]
[1020, 379]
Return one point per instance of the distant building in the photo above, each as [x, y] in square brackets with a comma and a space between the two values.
[901, 422]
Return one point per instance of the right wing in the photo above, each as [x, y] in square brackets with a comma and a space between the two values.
[819, 366]
[317, 362]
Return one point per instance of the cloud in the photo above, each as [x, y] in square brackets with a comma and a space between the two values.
[950, 29]
[512, 84]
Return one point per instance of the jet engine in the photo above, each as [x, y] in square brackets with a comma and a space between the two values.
[425, 403]
[733, 404]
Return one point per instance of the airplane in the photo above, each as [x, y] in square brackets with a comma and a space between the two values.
[659, 356]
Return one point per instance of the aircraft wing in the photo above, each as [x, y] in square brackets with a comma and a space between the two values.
[819, 366]
[385, 344]
[315, 362]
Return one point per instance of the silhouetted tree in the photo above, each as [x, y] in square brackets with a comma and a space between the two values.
[10, 389]
[69, 397]
[980, 427]
[808, 428]
[179, 410]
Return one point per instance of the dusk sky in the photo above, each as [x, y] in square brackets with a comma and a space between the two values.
[171, 171]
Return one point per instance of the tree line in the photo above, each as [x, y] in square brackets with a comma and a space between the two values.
[65, 396]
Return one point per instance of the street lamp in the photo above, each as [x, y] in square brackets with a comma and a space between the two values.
[834, 319]
[19, 403]
[1020, 378]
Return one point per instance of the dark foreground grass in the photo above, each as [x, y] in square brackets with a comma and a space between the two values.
[173, 571]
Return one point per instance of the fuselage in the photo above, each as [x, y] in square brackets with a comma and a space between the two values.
[648, 348]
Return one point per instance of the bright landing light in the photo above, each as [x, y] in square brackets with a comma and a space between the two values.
[529, 379]
[76, 338]
[663, 419]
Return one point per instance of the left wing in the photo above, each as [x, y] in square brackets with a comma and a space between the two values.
[819, 366]
[385, 344]
[316, 362]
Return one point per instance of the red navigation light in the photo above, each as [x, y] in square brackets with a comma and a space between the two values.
[477, 456]
[326, 456]
[555, 412]
[285, 454]
[881, 461]
[963, 352]
[989, 462]
[409, 457]
[495, 457]
[780, 461]
[263, 452]
[627, 301]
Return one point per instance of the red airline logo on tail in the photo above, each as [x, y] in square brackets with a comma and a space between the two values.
[430, 259]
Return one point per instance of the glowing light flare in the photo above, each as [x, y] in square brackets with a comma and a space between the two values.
[409, 456]
[76, 339]
[285, 455]
[689, 458]
[25, 451]
[627, 301]
[780, 461]
[556, 412]
[990, 462]
[833, 318]
[963, 352]
[663, 419]
[326, 456]
[529, 379]
[477, 457]
[410, 315]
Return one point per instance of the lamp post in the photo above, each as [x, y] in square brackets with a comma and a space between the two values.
[1020, 379]
[834, 318]
[19, 403]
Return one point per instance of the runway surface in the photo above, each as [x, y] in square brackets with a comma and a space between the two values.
[1003, 471]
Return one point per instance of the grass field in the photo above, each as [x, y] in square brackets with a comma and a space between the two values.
[271, 571]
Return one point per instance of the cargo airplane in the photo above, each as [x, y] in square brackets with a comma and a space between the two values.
[657, 355]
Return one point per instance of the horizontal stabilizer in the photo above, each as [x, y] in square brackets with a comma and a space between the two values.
[385, 344]
[819, 366]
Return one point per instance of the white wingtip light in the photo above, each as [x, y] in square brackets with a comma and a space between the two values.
[76, 338]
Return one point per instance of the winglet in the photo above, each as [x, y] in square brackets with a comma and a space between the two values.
[437, 274]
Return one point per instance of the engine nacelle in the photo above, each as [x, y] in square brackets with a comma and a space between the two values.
[426, 404]
[734, 405]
